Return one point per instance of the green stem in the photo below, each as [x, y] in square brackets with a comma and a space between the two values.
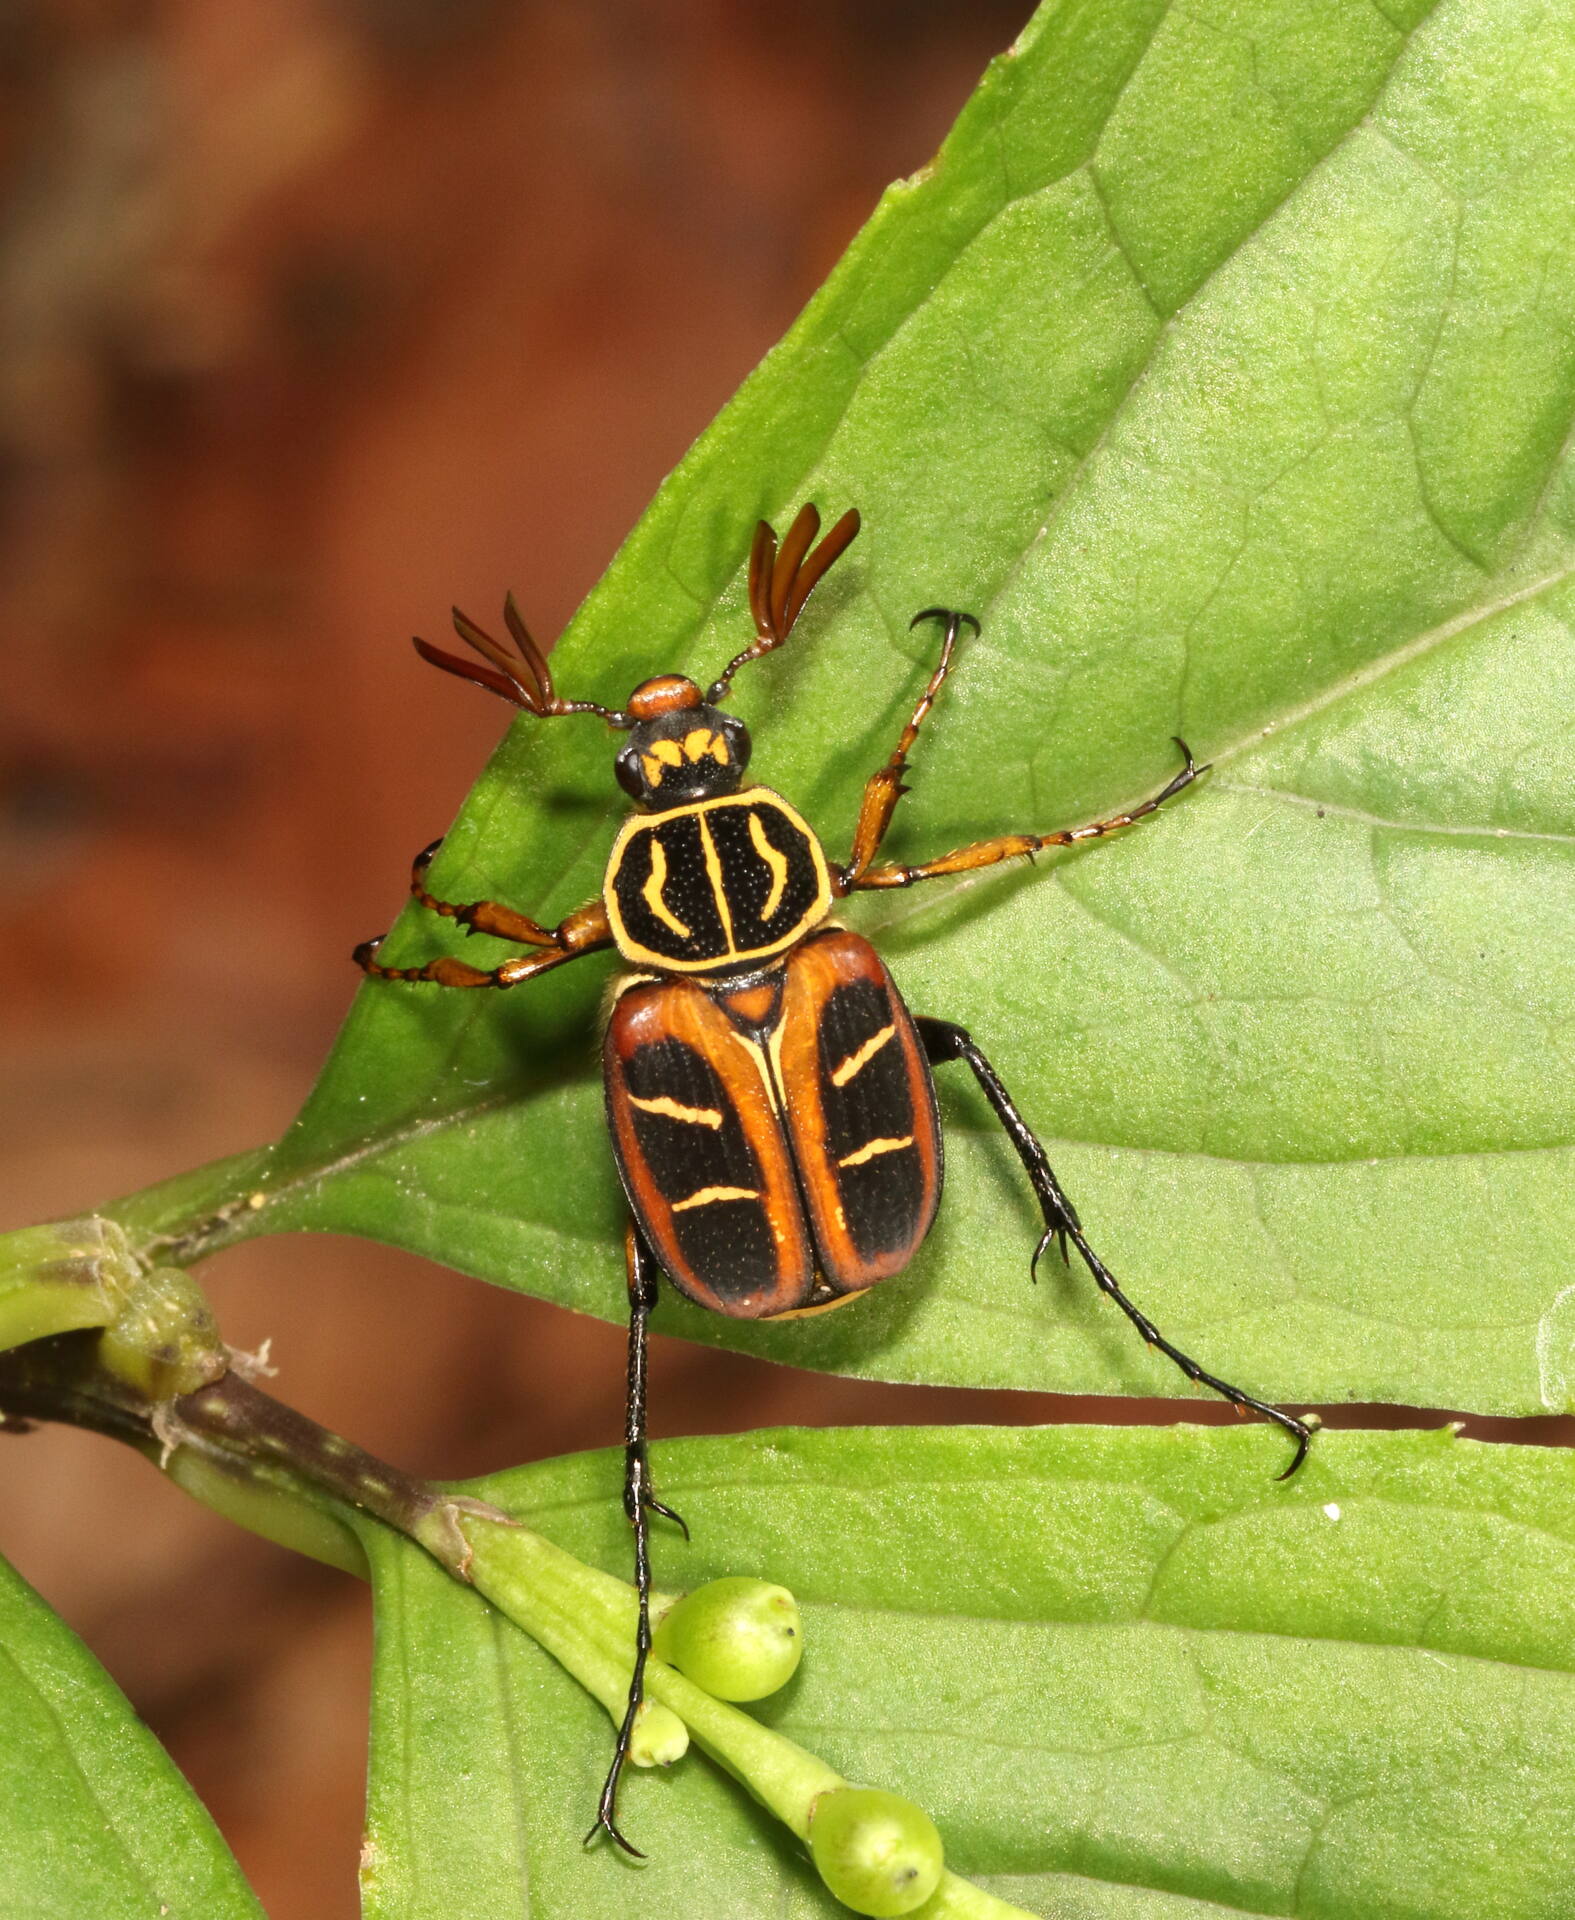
[584, 1618]
[959, 1899]
[64, 1380]
[265, 1507]
[271, 1469]
[57, 1278]
[518, 1570]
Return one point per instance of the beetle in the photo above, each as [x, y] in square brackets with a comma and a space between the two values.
[770, 1098]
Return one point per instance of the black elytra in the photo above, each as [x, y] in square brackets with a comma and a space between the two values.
[770, 1098]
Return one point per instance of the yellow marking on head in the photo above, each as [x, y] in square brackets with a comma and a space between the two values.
[707, 1194]
[871, 1147]
[651, 892]
[662, 754]
[776, 862]
[840, 1076]
[713, 868]
[697, 1116]
[700, 741]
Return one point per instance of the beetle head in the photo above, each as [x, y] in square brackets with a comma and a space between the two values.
[680, 747]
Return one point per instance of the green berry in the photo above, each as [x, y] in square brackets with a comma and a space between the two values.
[878, 1853]
[738, 1638]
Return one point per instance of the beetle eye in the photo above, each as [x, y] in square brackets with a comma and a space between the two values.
[738, 740]
[626, 769]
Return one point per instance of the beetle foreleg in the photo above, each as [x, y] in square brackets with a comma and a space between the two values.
[582, 931]
[942, 1042]
[477, 916]
[639, 1502]
[884, 789]
[448, 971]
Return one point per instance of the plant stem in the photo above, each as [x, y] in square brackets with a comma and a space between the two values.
[583, 1617]
[269, 1468]
[70, 1274]
[516, 1569]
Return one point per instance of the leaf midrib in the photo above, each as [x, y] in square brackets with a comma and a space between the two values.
[1335, 810]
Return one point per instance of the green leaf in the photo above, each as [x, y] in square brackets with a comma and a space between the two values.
[1220, 364]
[94, 1820]
[1128, 1675]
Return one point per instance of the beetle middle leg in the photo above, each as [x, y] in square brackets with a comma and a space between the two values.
[942, 1042]
[1012, 846]
[447, 971]
[639, 1502]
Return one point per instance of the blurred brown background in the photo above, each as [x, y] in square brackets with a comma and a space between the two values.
[315, 316]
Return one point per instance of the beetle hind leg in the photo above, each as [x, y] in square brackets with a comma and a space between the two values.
[639, 1503]
[942, 1042]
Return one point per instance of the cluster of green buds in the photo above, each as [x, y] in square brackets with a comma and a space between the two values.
[741, 1639]
[734, 1639]
[161, 1377]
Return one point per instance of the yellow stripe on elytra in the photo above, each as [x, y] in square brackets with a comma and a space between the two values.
[697, 1116]
[651, 892]
[840, 1076]
[707, 1194]
[713, 871]
[871, 1147]
[776, 862]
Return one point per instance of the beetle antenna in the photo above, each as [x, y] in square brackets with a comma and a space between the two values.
[781, 581]
[522, 678]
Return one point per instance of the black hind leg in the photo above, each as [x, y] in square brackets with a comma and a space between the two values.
[942, 1042]
[639, 1503]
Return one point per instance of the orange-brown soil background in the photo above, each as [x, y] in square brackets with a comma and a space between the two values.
[315, 318]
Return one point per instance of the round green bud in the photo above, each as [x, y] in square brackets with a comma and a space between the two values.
[164, 1341]
[658, 1736]
[738, 1638]
[878, 1853]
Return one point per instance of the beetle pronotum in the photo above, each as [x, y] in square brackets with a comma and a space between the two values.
[769, 1095]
